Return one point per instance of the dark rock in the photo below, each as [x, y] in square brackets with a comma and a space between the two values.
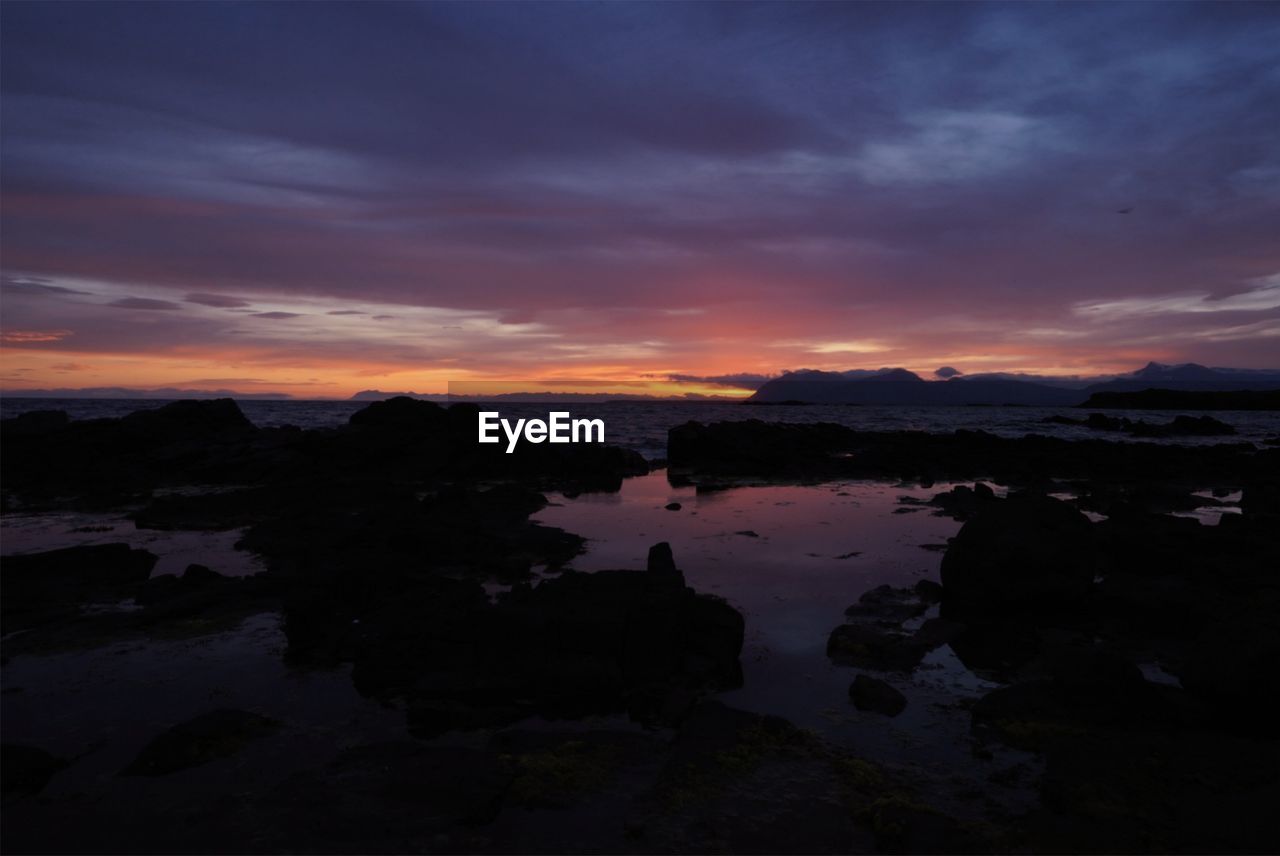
[1199, 426]
[183, 421]
[90, 568]
[701, 453]
[661, 559]
[454, 783]
[673, 506]
[937, 632]
[36, 422]
[1192, 791]
[962, 502]
[403, 415]
[1231, 659]
[888, 605]
[870, 647]
[40, 588]
[929, 591]
[575, 644]
[25, 770]
[877, 696]
[1090, 691]
[201, 573]
[210, 736]
[1026, 550]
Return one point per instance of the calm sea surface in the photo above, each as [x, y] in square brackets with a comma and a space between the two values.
[643, 426]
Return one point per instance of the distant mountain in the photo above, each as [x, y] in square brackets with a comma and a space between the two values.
[119, 392]
[901, 387]
[545, 397]
[894, 376]
[1190, 377]
[379, 395]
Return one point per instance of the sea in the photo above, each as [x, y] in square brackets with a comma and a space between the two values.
[643, 425]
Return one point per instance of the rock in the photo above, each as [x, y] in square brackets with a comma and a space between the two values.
[184, 421]
[962, 502]
[36, 422]
[568, 646]
[25, 770]
[1199, 426]
[210, 736]
[929, 591]
[403, 415]
[1127, 791]
[869, 647]
[661, 559]
[877, 696]
[41, 588]
[888, 605]
[673, 506]
[1091, 691]
[451, 783]
[1025, 551]
[201, 574]
[103, 566]
[1229, 663]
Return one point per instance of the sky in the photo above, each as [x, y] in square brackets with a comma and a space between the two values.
[316, 198]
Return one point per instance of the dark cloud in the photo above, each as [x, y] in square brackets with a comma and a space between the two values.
[144, 303]
[806, 173]
[946, 372]
[737, 381]
[346, 312]
[277, 316]
[36, 286]
[218, 301]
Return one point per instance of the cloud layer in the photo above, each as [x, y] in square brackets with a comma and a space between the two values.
[314, 196]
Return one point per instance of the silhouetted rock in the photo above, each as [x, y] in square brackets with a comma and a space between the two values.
[888, 605]
[210, 736]
[25, 770]
[877, 696]
[576, 644]
[1024, 550]
[661, 559]
[1181, 426]
[39, 588]
[36, 422]
[403, 415]
[1176, 399]
[90, 569]
[870, 647]
[184, 421]
[962, 501]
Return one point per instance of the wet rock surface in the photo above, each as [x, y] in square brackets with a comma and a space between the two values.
[546, 710]
[875, 695]
[216, 734]
[1181, 426]
[25, 770]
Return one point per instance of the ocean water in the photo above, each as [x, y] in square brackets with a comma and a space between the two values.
[643, 426]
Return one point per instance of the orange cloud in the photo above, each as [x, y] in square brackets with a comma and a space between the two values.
[32, 337]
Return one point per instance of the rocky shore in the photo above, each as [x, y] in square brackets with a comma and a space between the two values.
[554, 710]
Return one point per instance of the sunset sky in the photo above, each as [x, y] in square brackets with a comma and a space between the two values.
[321, 198]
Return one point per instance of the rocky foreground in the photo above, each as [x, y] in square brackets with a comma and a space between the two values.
[380, 540]
[1061, 608]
